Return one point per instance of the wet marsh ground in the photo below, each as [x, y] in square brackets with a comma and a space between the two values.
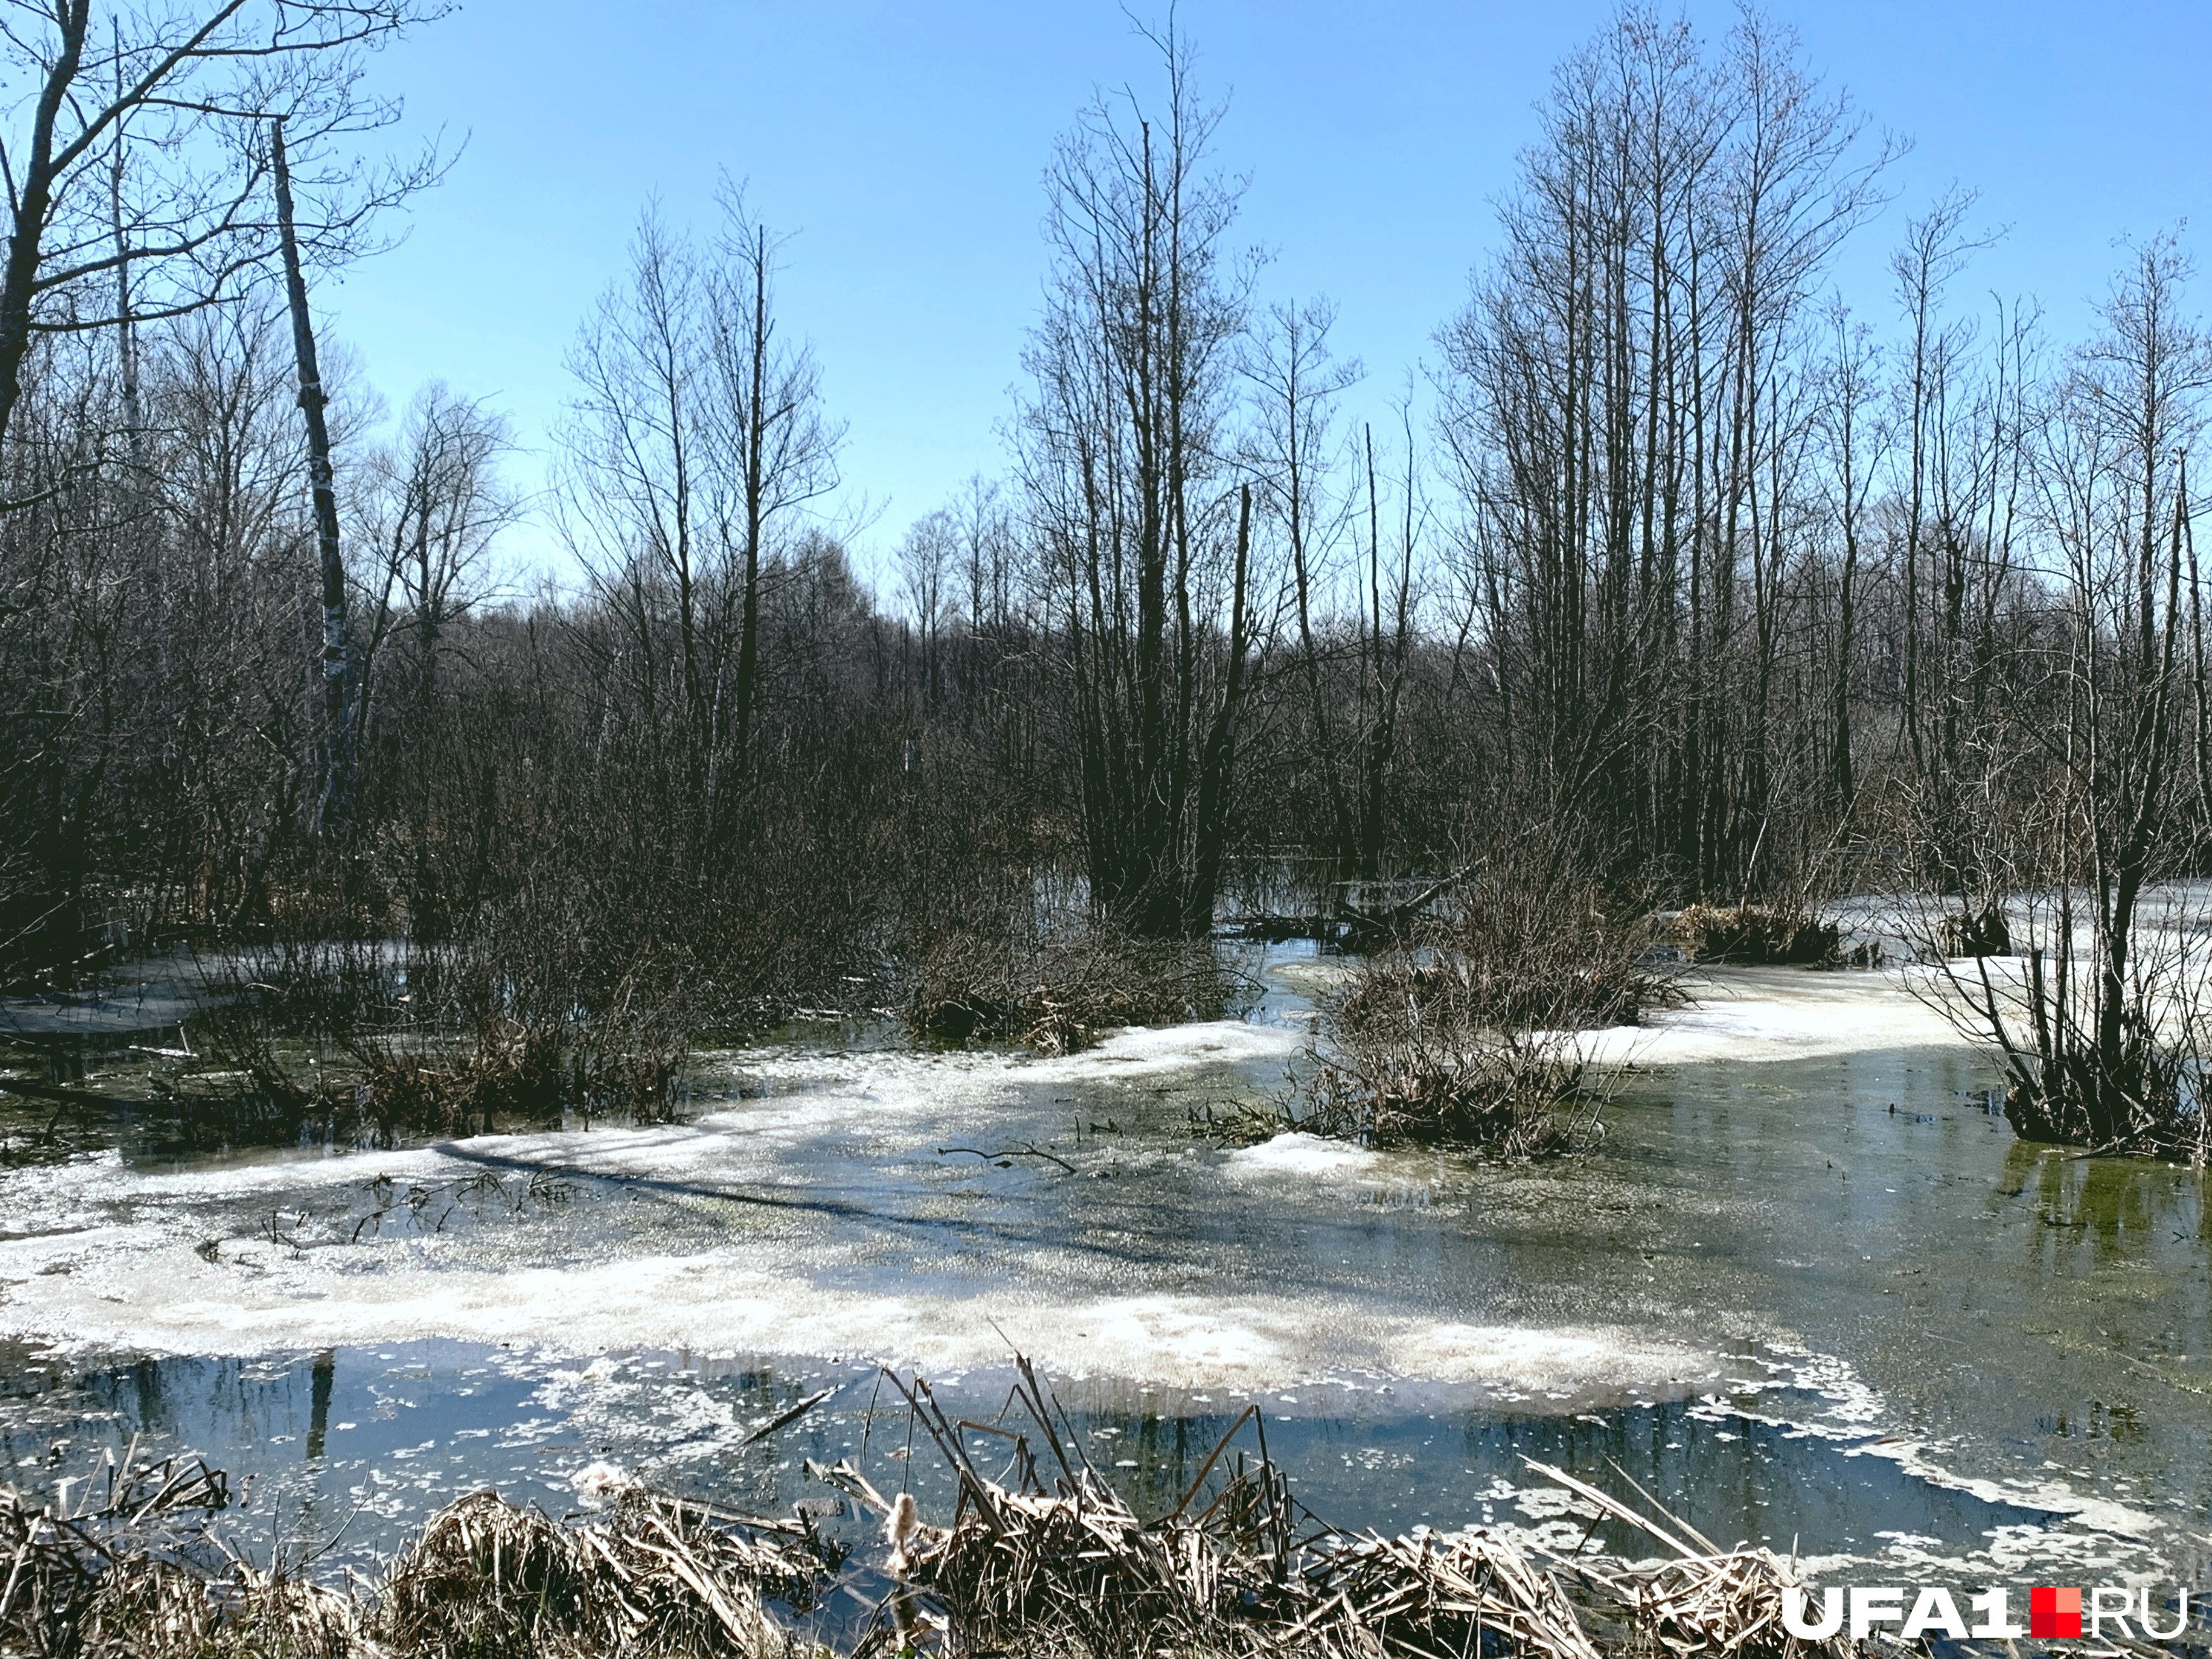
[1825, 1300]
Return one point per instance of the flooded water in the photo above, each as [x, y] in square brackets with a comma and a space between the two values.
[1809, 1291]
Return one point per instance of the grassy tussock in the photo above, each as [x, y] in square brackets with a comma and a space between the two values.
[1515, 1095]
[1757, 935]
[1463, 1036]
[144, 1576]
[1063, 994]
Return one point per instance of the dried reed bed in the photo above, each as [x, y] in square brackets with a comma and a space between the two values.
[1043, 1560]
[413, 1082]
[1757, 935]
[1698, 1599]
[656, 1576]
[1062, 994]
[142, 1574]
[117, 1547]
[1054, 1561]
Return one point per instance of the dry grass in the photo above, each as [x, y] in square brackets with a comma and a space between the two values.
[1063, 994]
[1513, 1094]
[1058, 1564]
[414, 1082]
[1757, 935]
[448, 1042]
[1050, 1562]
[656, 1578]
[114, 1556]
[1699, 1599]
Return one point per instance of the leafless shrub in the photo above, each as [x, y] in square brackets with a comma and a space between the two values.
[1463, 1036]
[2111, 1062]
[1520, 940]
[522, 1058]
[378, 1042]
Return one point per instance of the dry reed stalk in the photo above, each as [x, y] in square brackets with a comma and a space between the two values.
[1706, 1600]
[1070, 1568]
[1426, 1597]
[1058, 1565]
[657, 1576]
[74, 1566]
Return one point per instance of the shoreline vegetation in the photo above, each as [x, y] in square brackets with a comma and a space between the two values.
[1457, 1023]
[1045, 1561]
[1803, 594]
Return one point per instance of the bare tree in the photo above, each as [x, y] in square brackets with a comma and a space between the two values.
[1125, 435]
[929, 559]
[186, 93]
[334, 807]
[1297, 452]
[2087, 1038]
[777, 448]
[695, 437]
[429, 506]
[1628, 419]
[1856, 440]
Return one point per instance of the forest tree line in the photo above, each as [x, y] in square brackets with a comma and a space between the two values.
[1669, 565]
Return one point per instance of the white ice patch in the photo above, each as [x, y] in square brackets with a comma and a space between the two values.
[1783, 1013]
[1297, 1153]
[142, 1291]
[1142, 1051]
[598, 1484]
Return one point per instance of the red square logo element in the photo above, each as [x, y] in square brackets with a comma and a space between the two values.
[2054, 1613]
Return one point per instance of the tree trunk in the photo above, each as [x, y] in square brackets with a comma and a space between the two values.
[335, 807]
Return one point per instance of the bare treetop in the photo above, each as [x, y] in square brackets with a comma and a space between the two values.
[137, 145]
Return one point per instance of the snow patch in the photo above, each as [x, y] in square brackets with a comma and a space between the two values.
[1297, 1153]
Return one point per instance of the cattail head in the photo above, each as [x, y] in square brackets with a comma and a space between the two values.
[899, 1531]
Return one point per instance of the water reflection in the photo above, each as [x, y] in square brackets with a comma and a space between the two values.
[1858, 1239]
[375, 1438]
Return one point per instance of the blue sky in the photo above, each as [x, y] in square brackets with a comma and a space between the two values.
[903, 145]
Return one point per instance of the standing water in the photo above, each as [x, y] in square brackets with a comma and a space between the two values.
[1809, 1292]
